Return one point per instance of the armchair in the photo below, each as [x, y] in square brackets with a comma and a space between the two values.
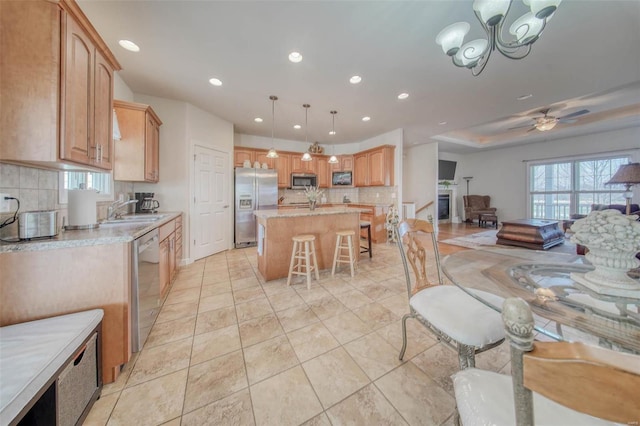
[475, 205]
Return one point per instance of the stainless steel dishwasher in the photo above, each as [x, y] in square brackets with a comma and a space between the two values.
[145, 287]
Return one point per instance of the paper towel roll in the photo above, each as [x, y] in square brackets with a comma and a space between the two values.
[82, 207]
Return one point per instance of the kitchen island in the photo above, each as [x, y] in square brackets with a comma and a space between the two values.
[277, 227]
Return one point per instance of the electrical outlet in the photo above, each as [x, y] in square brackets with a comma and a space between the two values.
[5, 205]
[377, 195]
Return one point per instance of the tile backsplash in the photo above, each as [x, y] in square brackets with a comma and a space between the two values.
[37, 189]
[373, 195]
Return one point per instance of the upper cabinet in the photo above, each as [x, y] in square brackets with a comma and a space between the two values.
[137, 152]
[57, 87]
[299, 166]
[283, 167]
[374, 167]
[323, 170]
[240, 155]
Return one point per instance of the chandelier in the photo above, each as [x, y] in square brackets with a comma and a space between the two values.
[272, 151]
[491, 14]
[333, 159]
[306, 156]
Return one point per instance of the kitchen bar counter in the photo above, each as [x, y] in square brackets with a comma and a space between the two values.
[104, 234]
[277, 227]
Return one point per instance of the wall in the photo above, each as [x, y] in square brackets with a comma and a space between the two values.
[420, 178]
[501, 173]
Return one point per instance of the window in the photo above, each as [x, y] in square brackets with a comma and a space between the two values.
[559, 189]
[102, 182]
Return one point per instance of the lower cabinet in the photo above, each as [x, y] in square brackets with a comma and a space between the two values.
[377, 216]
[170, 253]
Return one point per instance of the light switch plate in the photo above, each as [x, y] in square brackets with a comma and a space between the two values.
[5, 205]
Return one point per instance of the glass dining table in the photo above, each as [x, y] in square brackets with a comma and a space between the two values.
[565, 309]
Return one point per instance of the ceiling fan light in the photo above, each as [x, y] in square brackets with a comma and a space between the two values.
[542, 8]
[451, 37]
[491, 12]
[527, 28]
[333, 160]
[547, 123]
[306, 157]
[471, 52]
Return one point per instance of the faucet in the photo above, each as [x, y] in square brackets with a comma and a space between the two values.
[113, 211]
[345, 199]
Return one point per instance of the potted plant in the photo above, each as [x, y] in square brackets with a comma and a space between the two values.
[313, 194]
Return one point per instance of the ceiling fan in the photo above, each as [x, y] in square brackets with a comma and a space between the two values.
[548, 122]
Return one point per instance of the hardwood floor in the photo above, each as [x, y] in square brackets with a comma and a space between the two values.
[453, 230]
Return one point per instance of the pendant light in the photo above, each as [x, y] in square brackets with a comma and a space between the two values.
[333, 159]
[272, 151]
[306, 156]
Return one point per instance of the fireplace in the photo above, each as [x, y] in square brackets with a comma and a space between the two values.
[444, 210]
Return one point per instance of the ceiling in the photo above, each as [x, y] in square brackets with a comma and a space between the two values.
[587, 58]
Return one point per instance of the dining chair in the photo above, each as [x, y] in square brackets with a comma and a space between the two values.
[455, 317]
[551, 383]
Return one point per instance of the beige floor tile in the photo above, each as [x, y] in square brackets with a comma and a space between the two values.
[316, 292]
[376, 291]
[334, 376]
[217, 301]
[398, 304]
[439, 362]
[121, 381]
[260, 329]
[347, 327]
[417, 398]
[253, 309]
[419, 338]
[267, 358]
[215, 379]
[170, 331]
[243, 278]
[178, 310]
[182, 296]
[319, 420]
[353, 298]
[209, 345]
[327, 307]
[215, 277]
[284, 299]
[213, 320]
[296, 317]
[336, 285]
[495, 359]
[366, 407]
[311, 341]
[276, 286]
[215, 289]
[374, 355]
[376, 315]
[233, 410]
[160, 360]
[174, 422]
[285, 399]
[249, 293]
[187, 283]
[101, 410]
[151, 403]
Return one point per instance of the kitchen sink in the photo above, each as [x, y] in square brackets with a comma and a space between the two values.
[147, 218]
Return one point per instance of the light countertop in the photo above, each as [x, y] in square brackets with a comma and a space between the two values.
[105, 234]
[301, 212]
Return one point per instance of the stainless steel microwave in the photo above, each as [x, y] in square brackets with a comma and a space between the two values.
[303, 180]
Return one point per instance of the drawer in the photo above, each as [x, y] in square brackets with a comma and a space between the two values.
[166, 230]
[179, 222]
[77, 383]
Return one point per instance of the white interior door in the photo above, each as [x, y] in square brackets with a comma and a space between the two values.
[210, 202]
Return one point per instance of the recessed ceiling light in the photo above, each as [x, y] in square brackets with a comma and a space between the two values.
[442, 123]
[332, 132]
[366, 118]
[129, 45]
[295, 57]
[258, 120]
[403, 96]
[215, 82]
[297, 126]
[355, 79]
[523, 97]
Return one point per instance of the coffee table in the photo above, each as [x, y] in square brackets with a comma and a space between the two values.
[537, 234]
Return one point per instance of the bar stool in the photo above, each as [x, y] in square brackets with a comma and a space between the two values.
[304, 250]
[341, 245]
[367, 249]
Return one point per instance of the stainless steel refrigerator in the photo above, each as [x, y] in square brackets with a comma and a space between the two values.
[256, 189]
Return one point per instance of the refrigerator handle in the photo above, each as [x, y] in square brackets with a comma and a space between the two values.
[255, 194]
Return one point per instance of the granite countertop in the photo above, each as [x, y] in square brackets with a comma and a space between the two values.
[351, 203]
[105, 234]
[319, 211]
[32, 352]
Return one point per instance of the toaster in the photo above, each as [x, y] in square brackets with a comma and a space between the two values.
[37, 224]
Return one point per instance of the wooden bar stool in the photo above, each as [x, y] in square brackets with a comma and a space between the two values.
[304, 251]
[342, 244]
[367, 248]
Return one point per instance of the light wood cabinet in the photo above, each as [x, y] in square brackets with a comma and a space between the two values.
[165, 277]
[240, 155]
[137, 152]
[283, 167]
[57, 87]
[360, 170]
[170, 236]
[178, 222]
[374, 167]
[261, 157]
[299, 166]
[344, 164]
[323, 170]
[377, 217]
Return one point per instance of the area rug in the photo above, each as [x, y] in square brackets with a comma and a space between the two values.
[488, 238]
